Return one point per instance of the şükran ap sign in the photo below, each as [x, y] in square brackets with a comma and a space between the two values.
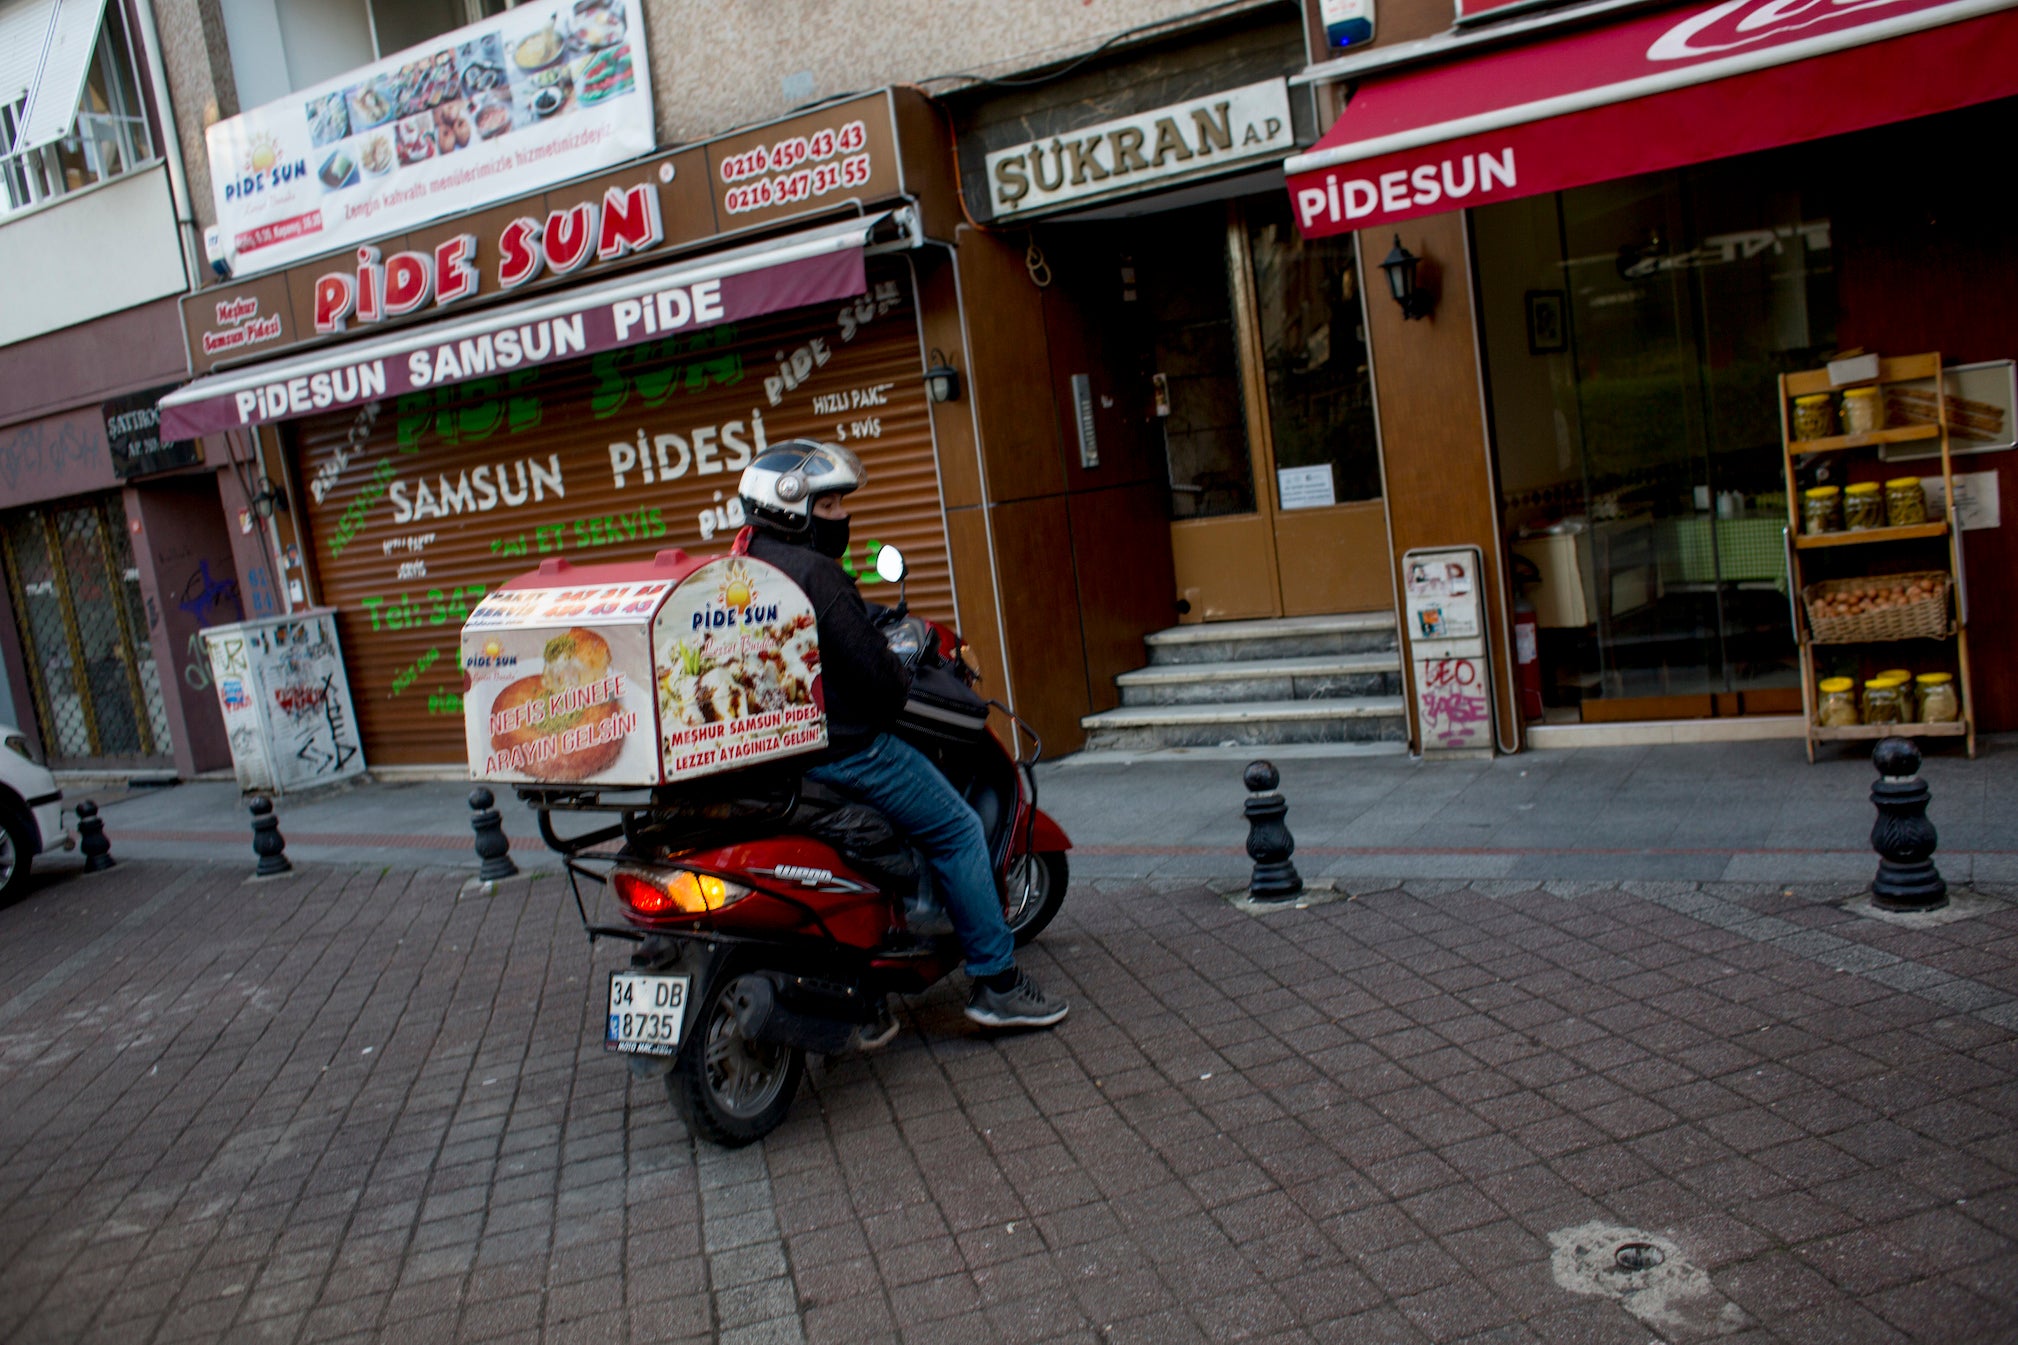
[1154, 148]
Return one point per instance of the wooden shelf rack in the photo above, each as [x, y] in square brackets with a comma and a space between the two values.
[1809, 549]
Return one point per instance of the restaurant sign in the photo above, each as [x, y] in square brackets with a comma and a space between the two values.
[537, 95]
[820, 265]
[1605, 102]
[1151, 149]
[666, 203]
[515, 248]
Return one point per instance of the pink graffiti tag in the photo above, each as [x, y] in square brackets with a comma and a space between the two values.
[1453, 703]
[1450, 672]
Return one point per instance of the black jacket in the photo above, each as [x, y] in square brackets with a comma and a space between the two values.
[864, 683]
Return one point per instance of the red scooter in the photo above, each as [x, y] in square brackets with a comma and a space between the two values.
[773, 918]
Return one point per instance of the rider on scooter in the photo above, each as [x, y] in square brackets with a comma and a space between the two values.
[794, 495]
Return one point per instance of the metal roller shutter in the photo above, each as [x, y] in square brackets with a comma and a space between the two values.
[445, 495]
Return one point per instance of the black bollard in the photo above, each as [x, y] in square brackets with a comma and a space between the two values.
[1269, 843]
[267, 841]
[492, 846]
[1903, 835]
[91, 838]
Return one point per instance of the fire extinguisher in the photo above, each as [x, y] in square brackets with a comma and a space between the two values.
[1527, 638]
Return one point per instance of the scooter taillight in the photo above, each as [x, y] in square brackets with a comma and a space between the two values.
[662, 892]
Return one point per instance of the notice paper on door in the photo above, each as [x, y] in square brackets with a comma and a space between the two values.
[1305, 487]
[1976, 502]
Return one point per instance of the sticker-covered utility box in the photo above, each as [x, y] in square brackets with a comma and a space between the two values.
[640, 674]
[1446, 634]
[285, 701]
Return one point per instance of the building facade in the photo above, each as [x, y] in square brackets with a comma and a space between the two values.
[445, 302]
[1633, 221]
[115, 548]
[508, 432]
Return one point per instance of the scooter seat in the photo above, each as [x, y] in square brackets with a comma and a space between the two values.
[863, 836]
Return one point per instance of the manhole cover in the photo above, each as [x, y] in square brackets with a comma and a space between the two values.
[1637, 1256]
[1647, 1275]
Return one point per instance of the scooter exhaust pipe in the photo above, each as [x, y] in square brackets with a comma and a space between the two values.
[764, 1017]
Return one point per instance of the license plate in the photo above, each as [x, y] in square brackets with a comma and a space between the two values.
[646, 1013]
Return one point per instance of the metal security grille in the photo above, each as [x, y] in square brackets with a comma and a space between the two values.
[415, 513]
[77, 602]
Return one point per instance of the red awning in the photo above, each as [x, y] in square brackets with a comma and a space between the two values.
[1674, 86]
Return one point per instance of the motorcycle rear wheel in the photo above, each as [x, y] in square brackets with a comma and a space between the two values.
[1049, 875]
[731, 1090]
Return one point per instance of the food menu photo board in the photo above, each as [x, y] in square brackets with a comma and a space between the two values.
[738, 666]
[641, 682]
[537, 95]
[557, 684]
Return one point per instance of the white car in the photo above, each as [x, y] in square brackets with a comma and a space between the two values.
[31, 811]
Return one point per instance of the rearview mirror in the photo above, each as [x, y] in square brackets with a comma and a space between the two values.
[890, 566]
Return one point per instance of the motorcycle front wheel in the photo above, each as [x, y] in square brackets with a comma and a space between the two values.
[731, 1090]
[1036, 886]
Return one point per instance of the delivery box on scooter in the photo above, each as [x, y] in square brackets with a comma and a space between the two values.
[640, 674]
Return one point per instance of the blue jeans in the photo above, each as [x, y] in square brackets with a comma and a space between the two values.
[900, 782]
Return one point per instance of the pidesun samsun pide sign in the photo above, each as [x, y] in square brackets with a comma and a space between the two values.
[704, 293]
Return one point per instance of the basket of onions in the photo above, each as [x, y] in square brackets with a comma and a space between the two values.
[1880, 607]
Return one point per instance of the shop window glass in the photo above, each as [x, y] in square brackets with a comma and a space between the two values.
[109, 138]
[1634, 333]
[1313, 347]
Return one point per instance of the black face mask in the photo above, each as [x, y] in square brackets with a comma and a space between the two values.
[830, 536]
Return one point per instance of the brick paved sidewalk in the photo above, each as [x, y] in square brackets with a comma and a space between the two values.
[364, 1103]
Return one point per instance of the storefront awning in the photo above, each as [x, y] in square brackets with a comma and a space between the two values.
[813, 266]
[1665, 88]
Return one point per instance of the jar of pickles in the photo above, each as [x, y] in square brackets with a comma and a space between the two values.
[1863, 412]
[1814, 416]
[1884, 701]
[1837, 705]
[1905, 501]
[1938, 702]
[1822, 509]
[1863, 507]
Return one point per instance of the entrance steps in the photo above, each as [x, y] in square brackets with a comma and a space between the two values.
[1315, 679]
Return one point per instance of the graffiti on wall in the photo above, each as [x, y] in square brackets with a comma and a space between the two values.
[52, 457]
[1453, 704]
[209, 600]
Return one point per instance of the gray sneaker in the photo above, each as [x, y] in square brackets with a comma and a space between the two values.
[1021, 1005]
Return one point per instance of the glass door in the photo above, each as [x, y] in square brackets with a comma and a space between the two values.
[1309, 353]
[1252, 345]
[1634, 333]
[1182, 297]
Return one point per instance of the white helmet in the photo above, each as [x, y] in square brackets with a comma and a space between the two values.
[779, 488]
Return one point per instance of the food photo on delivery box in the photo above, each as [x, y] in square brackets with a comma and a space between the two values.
[631, 675]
